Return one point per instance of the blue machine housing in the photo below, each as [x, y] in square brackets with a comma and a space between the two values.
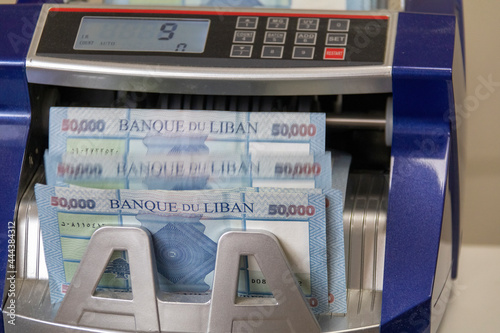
[18, 24]
[424, 153]
[424, 163]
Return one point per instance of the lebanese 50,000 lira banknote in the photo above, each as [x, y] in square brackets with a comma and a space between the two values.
[188, 224]
[337, 289]
[189, 172]
[108, 131]
[295, 4]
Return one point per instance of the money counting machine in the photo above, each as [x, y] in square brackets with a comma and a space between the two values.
[388, 82]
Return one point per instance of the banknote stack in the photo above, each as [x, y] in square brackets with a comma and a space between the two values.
[294, 4]
[188, 177]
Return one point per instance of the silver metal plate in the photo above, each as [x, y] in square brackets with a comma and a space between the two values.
[30, 262]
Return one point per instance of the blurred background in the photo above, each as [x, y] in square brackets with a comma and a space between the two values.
[480, 125]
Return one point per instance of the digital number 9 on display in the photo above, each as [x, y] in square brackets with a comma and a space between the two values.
[167, 31]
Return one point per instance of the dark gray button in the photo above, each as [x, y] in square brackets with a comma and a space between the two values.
[275, 37]
[241, 51]
[277, 23]
[272, 52]
[303, 52]
[336, 39]
[306, 38]
[308, 24]
[338, 25]
[244, 37]
[247, 22]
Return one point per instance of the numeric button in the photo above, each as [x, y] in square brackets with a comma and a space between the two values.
[338, 25]
[244, 37]
[275, 37]
[303, 52]
[277, 23]
[241, 51]
[308, 24]
[306, 38]
[247, 22]
[275, 52]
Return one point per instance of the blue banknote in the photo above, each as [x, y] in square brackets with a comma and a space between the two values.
[337, 288]
[189, 172]
[302, 4]
[241, 3]
[108, 132]
[185, 226]
[209, 3]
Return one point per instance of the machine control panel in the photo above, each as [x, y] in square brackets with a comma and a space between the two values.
[215, 38]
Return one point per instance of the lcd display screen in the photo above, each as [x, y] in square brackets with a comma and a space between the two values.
[142, 35]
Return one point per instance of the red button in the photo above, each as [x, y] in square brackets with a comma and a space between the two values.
[334, 53]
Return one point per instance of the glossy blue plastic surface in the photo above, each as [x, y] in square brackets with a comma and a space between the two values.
[452, 7]
[423, 98]
[17, 24]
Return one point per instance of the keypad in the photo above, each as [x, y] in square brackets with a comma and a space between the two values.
[292, 38]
